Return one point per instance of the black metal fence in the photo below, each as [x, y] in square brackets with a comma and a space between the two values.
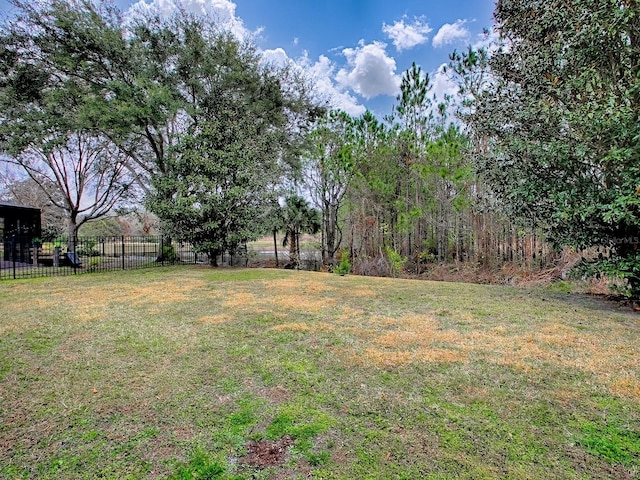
[22, 257]
[25, 257]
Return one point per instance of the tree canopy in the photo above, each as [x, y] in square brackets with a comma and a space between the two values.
[188, 111]
[559, 118]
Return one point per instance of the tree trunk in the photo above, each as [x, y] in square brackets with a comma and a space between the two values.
[275, 246]
[213, 257]
[293, 248]
[323, 237]
[72, 232]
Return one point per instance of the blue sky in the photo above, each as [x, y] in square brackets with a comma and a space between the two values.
[355, 50]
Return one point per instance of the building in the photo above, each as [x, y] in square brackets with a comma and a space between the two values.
[19, 226]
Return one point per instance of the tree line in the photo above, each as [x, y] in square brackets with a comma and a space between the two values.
[539, 149]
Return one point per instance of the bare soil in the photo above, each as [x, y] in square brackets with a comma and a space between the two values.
[265, 453]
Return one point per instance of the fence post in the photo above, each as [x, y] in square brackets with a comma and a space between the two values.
[122, 242]
[13, 254]
[162, 250]
[74, 243]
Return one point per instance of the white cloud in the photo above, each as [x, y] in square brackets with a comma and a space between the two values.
[490, 40]
[322, 73]
[277, 57]
[406, 36]
[442, 83]
[222, 12]
[451, 33]
[371, 72]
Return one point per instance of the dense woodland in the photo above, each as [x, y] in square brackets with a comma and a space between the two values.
[540, 149]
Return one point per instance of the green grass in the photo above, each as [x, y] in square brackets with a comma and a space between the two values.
[170, 372]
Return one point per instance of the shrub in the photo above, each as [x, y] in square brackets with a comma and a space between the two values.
[372, 267]
[168, 254]
[94, 265]
[344, 267]
[396, 260]
[87, 249]
[625, 268]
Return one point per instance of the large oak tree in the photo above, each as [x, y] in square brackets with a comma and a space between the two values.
[188, 107]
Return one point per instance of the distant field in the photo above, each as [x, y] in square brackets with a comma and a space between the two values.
[192, 372]
[307, 242]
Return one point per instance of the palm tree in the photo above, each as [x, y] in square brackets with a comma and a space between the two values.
[275, 222]
[299, 218]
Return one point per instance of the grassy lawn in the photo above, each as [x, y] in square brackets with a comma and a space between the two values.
[197, 373]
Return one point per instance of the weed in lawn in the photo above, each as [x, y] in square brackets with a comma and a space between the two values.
[302, 425]
[199, 466]
[244, 418]
[614, 444]
[229, 384]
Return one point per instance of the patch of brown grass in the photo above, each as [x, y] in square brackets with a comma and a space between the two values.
[476, 393]
[304, 327]
[395, 358]
[292, 327]
[300, 304]
[89, 301]
[412, 338]
[239, 299]
[566, 396]
[216, 319]
[626, 387]
[301, 286]
[362, 291]
[349, 313]
[289, 295]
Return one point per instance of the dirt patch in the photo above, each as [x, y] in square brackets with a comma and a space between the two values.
[277, 394]
[587, 464]
[266, 453]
